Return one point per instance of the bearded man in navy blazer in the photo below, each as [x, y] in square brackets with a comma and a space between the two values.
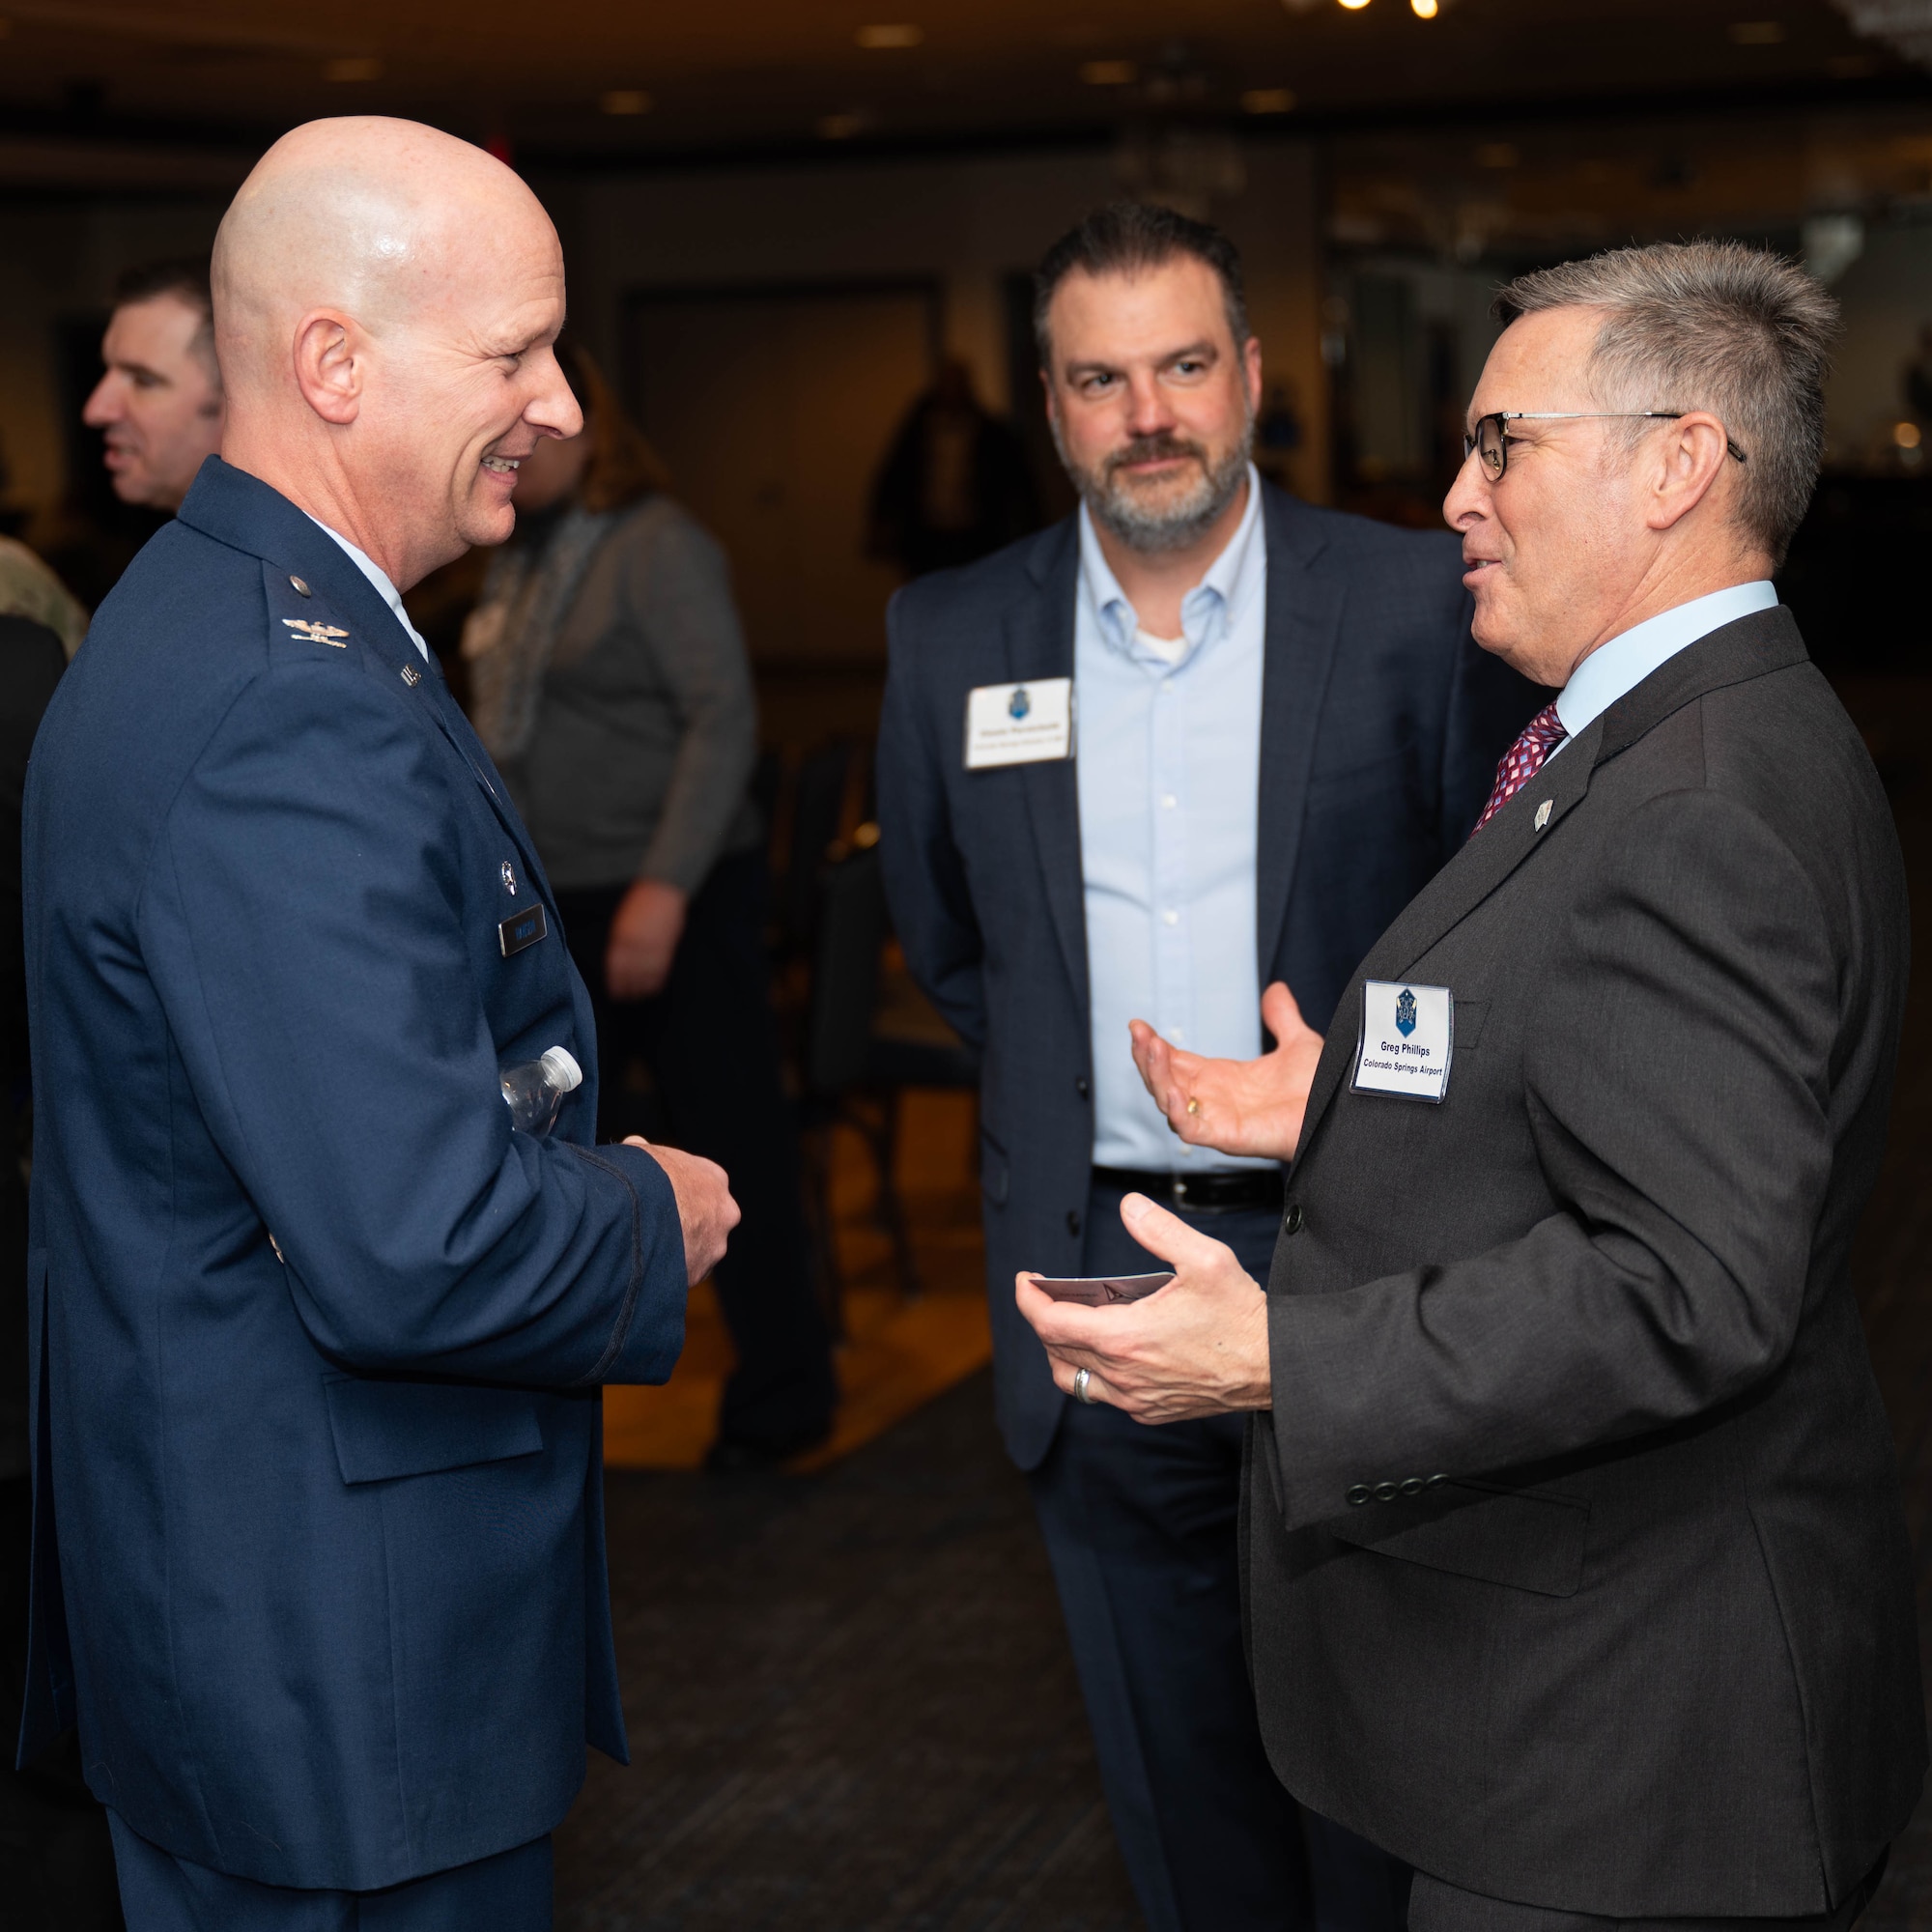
[1283, 729]
[317, 1337]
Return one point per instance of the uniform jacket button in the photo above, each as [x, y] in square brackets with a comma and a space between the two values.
[1359, 1494]
[1072, 1222]
[1291, 1222]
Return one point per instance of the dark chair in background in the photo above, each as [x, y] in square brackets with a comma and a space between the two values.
[859, 1054]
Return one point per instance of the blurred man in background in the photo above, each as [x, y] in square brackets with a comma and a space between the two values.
[161, 401]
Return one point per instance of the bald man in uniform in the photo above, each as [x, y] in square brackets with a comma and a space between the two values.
[317, 1337]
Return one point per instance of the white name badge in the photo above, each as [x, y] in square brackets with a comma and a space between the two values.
[1023, 724]
[1406, 1035]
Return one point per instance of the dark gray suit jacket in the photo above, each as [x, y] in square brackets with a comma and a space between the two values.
[1649, 1650]
[1381, 725]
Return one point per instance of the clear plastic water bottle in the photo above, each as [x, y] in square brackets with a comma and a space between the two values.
[534, 1091]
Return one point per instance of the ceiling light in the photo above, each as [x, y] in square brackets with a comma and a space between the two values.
[1425, 10]
[353, 67]
[1906, 435]
[1757, 33]
[625, 101]
[1267, 101]
[1107, 73]
[1354, 6]
[903, 35]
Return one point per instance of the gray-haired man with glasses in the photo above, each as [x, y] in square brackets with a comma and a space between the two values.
[1575, 1574]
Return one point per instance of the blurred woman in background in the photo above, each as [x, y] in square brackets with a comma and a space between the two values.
[609, 680]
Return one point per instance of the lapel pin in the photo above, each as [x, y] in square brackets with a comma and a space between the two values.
[510, 878]
[1543, 814]
[300, 589]
[317, 634]
[411, 676]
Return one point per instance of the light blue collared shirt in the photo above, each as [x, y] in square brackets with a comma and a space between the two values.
[1169, 770]
[379, 578]
[1615, 670]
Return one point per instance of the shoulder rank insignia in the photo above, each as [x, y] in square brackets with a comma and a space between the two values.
[317, 634]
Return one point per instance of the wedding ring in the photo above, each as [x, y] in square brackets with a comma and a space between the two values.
[1193, 1105]
[1081, 1378]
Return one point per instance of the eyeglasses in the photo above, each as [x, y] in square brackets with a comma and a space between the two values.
[1492, 444]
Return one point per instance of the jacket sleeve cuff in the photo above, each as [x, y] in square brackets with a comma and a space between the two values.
[649, 1335]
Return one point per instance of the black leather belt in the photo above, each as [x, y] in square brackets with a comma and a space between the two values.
[1211, 1193]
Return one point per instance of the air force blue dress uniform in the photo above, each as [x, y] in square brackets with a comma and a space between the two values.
[316, 1340]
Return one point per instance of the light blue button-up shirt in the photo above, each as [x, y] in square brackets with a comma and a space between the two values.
[379, 578]
[1615, 670]
[1168, 767]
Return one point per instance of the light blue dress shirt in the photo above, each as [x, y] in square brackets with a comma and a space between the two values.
[379, 578]
[1169, 770]
[1615, 670]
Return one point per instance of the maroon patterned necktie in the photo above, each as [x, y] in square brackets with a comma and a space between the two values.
[1522, 761]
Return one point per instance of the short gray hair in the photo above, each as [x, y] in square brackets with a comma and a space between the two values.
[1710, 326]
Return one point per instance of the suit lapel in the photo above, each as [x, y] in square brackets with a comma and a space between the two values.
[242, 511]
[1040, 643]
[1304, 627]
[1765, 641]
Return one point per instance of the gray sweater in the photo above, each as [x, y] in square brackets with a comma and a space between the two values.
[647, 729]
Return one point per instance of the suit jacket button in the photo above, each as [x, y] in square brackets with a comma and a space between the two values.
[1359, 1494]
[1081, 1087]
[1411, 1485]
[1291, 1222]
[1386, 1492]
[1072, 1222]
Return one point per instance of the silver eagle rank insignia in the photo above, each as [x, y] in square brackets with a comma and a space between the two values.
[317, 634]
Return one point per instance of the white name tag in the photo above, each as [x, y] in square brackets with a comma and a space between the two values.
[1406, 1035]
[1019, 724]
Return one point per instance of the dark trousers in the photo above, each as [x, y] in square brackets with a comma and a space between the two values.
[159, 1893]
[1140, 1525]
[712, 1048]
[1435, 1907]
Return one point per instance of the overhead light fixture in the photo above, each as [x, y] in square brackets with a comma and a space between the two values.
[353, 67]
[1354, 6]
[1107, 72]
[625, 101]
[1267, 101]
[1757, 33]
[901, 35]
[1425, 10]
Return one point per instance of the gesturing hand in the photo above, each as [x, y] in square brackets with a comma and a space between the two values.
[1197, 1347]
[1236, 1106]
[705, 1210]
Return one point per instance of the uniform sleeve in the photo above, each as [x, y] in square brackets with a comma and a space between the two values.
[304, 928]
[926, 879]
[1677, 1076]
[680, 588]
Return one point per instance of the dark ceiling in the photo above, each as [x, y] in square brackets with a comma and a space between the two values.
[589, 82]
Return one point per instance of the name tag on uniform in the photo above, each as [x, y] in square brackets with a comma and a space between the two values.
[1408, 1032]
[1024, 723]
[521, 930]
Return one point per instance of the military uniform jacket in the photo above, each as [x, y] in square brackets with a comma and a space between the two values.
[1647, 1649]
[317, 1339]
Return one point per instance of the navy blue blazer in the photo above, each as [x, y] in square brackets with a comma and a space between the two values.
[317, 1339]
[1381, 724]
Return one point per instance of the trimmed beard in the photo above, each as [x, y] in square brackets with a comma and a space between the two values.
[1177, 524]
